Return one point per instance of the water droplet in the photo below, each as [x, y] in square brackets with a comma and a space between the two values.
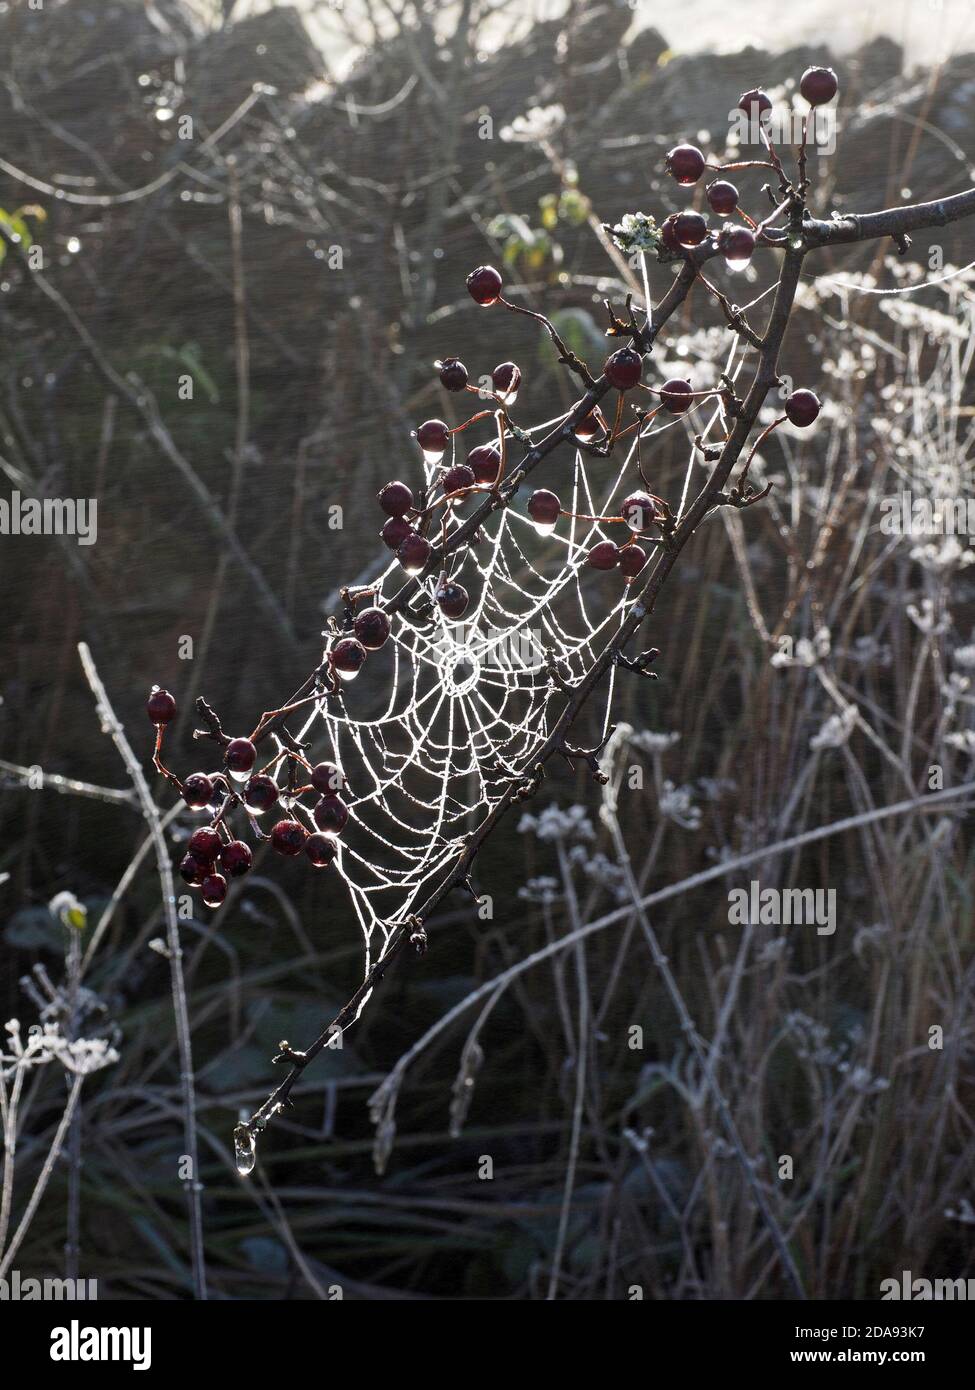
[544, 528]
[737, 264]
[245, 1150]
[433, 455]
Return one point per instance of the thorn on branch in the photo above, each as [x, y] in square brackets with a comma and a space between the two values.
[214, 729]
[639, 664]
[589, 756]
[902, 241]
[287, 1053]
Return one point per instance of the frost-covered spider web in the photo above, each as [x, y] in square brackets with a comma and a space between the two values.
[448, 713]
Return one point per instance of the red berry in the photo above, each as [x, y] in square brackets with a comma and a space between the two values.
[458, 479]
[818, 85]
[192, 870]
[320, 850]
[452, 599]
[371, 628]
[736, 245]
[485, 464]
[160, 706]
[675, 395]
[755, 97]
[623, 368]
[240, 755]
[414, 553]
[433, 437]
[685, 163]
[214, 889]
[235, 858]
[802, 407]
[544, 508]
[639, 511]
[204, 844]
[326, 777]
[484, 285]
[347, 657]
[395, 532]
[453, 374]
[723, 197]
[690, 228]
[197, 790]
[331, 814]
[396, 499]
[632, 560]
[506, 379]
[589, 427]
[604, 556]
[288, 837]
[668, 234]
[261, 793]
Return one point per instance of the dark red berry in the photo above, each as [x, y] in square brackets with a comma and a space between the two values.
[197, 790]
[192, 871]
[261, 793]
[452, 599]
[204, 844]
[544, 508]
[690, 228]
[331, 814]
[458, 479]
[235, 858]
[453, 374]
[288, 837]
[676, 395]
[485, 463]
[755, 97]
[396, 499]
[802, 407]
[589, 427]
[320, 850]
[214, 889]
[668, 234]
[371, 628]
[723, 197]
[395, 532]
[818, 85]
[240, 755]
[506, 379]
[160, 706]
[604, 556]
[433, 437]
[639, 511]
[623, 368]
[632, 560]
[347, 657]
[414, 553]
[484, 285]
[326, 777]
[685, 163]
[736, 244]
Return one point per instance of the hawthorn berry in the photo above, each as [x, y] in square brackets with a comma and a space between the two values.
[395, 532]
[589, 427]
[288, 837]
[192, 871]
[204, 844]
[723, 197]
[756, 97]
[604, 556]
[458, 479]
[668, 234]
[320, 849]
[690, 229]
[632, 560]
[260, 793]
[331, 814]
[347, 657]
[639, 511]
[214, 889]
[160, 706]
[197, 790]
[371, 628]
[484, 285]
[818, 85]
[433, 437]
[485, 463]
[327, 777]
[676, 395]
[544, 508]
[506, 379]
[396, 499]
[453, 374]
[414, 553]
[685, 163]
[737, 245]
[239, 756]
[235, 858]
[452, 599]
[802, 407]
[623, 368]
